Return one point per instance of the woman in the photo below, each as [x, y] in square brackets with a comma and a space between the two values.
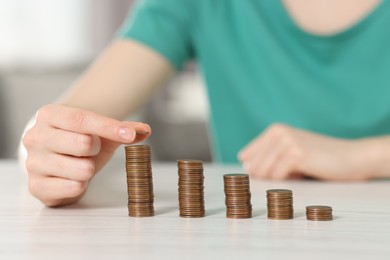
[296, 87]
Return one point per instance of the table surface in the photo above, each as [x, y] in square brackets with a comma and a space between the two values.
[98, 226]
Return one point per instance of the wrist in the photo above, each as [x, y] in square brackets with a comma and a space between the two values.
[376, 156]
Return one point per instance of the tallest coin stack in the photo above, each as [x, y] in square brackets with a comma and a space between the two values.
[139, 181]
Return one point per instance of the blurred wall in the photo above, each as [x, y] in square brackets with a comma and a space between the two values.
[4, 129]
[60, 32]
[22, 92]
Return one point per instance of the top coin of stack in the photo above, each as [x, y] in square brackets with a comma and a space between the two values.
[191, 188]
[280, 204]
[139, 181]
[319, 213]
[238, 195]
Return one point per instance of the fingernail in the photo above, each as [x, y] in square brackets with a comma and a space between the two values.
[148, 126]
[126, 134]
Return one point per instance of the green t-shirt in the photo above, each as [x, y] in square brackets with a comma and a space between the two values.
[261, 68]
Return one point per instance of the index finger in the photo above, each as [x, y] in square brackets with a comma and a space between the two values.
[86, 122]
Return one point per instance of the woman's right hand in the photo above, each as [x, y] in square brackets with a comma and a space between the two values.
[66, 147]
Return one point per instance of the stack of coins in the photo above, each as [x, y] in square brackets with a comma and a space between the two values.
[139, 181]
[237, 196]
[191, 188]
[280, 204]
[319, 213]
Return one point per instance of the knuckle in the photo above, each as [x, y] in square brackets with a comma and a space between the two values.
[44, 112]
[78, 118]
[31, 164]
[85, 144]
[87, 169]
[76, 189]
[33, 138]
[33, 186]
[287, 141]
[29, 139]
[107, 127]
[242, 156]
[296, 153]
[279, 130]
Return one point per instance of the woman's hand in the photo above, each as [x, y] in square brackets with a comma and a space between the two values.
[283, 152]
[67, 146]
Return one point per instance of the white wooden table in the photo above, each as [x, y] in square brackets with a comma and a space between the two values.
[98, 227]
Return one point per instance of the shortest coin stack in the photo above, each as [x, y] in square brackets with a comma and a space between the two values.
[238, 195]
[139, 181]
[319, 213]
[280, 204]
[191, 188]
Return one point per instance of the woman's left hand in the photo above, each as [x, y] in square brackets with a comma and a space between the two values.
[283, 152]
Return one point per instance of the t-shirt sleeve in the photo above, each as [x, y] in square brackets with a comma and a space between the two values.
[163, 25]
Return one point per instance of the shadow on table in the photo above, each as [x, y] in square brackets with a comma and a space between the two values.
[99, 196]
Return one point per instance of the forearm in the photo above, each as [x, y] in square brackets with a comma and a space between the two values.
[374, 156]
[120, 81]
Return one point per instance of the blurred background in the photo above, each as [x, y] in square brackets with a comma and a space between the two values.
[45, 45]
